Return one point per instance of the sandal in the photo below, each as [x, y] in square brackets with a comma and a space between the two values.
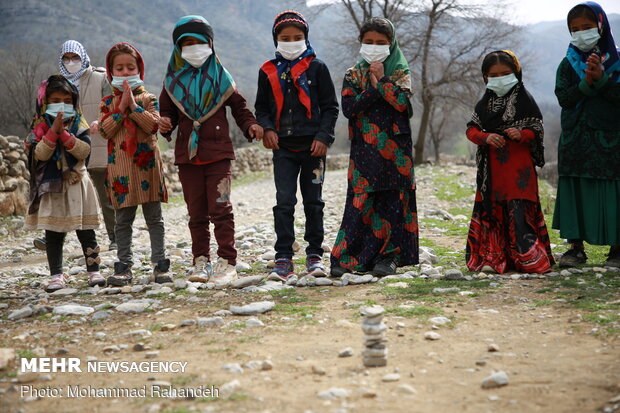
[95, 278]
[58, 283]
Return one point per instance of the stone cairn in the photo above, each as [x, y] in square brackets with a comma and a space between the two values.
[14, 176]
[375, 353]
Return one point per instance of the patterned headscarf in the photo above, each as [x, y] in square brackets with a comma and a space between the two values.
[197, 92]
[494, 114]
[606, 47]
[72, 46]
[396, 67]
[47, 176]
[276, 68]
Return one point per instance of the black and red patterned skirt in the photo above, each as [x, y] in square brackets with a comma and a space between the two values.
[512, 236]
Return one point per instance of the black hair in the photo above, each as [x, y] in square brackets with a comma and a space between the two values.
[376, 24]
[296, 20]
[498, 57]
[581, 11]
[58, 83]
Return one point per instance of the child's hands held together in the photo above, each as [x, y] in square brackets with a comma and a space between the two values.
[270, 139]
[94, 127]
[376, 73]
[57, 125]
[256, 132]
[495, 140]
[127, 99]
[513, 133]
[594, 71]
[318, 148]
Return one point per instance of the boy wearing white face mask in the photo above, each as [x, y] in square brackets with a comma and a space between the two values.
[296, 104]
[197, 90]
[128, 120]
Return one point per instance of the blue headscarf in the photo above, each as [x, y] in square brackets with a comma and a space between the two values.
[197, 92]
[606, 46]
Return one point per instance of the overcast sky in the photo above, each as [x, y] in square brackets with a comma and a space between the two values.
[534, 11]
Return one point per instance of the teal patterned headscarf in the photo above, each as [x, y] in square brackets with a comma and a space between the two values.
[197, 92]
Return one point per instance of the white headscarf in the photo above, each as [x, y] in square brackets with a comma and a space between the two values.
[72, 46]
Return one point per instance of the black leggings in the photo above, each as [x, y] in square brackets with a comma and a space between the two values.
[54, 242]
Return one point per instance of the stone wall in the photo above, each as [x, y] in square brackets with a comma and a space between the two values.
[14, 176]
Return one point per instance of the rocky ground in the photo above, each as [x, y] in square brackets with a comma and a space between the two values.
[457, 341]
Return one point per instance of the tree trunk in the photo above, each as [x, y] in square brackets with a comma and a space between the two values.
[419, 145]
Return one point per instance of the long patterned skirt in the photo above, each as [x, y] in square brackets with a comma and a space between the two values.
[376, 225]
[514, 238]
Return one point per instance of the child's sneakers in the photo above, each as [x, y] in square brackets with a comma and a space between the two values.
[314, 266]
[202, 272]
[160, 272]
[95, 278]
[58, 282]
[385, 266]
[282, 271]
[223, 273]
[122, 275]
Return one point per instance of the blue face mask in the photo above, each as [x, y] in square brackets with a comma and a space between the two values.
[54, 108]
[585, 40]
[502, 84]
[134, 81]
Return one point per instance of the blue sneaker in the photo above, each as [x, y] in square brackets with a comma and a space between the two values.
[283, 270]
[314, 266]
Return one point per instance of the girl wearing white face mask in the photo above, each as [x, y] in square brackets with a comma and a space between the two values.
[197, 90]
[379, 230]
[588, 90]
[74, 64]
[507, 229]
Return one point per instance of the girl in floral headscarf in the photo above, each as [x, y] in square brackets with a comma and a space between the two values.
[62, 196]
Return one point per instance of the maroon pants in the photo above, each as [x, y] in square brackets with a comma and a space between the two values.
[206, 189]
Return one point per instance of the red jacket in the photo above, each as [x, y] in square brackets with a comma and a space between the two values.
[214, 141]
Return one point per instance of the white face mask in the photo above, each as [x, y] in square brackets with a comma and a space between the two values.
[73, 66]
[291, 50]
[585, 40]
[196, 54]
[375, 52]
[502, 84]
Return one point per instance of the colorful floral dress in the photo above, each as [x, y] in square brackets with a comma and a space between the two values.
[380, 215]
[134, 174]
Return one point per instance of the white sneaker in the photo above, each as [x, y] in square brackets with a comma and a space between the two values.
[223, 273]
[202, 272]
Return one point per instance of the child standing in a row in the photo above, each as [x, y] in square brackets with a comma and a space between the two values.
[296, 104]
[197, 89]
[62, 196]
[128, 119]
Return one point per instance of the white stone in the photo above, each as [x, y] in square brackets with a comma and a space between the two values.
[72, 309]
[431, 335]
[439, 320]
[333, 393]
[259, 307]
[497, 379]
[390, 377]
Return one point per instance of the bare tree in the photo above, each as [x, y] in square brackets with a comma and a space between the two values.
[445, 41]
[23, 67]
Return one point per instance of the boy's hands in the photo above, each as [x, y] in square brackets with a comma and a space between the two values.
[165, 124]
[270, 139]
[318, 148]
[256, 132]
[94, 127]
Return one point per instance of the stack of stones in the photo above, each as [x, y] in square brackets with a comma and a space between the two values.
[375, 354]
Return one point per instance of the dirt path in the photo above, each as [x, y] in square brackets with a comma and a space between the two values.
[557, 338]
